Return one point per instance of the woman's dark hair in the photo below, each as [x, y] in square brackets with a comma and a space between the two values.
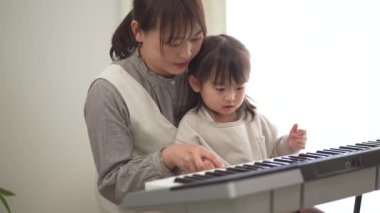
[170, 17]
[229, 59]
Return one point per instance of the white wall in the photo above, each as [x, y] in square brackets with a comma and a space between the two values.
[215, 14]
[315, 62]
[50, 51]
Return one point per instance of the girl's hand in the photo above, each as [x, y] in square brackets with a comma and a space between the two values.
[297, 138]
[189, 158]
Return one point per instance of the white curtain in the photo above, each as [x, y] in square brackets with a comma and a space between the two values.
[314, 62]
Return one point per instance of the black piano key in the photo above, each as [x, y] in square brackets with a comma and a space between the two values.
[299, 158]
[276, 163]
[359, 146]
[196, 177]
[295, 160]
[336, 151]
[319, 154]
[353, 148]
[185, 179]
[328, 152]
[284, 160]
[215, 174]
[253, 167]
[202, 177]
[264, 164]
[377, 143]
[234, 169]
[224, 172]
[261, 166]
[309, 155]
[342, 150]
[366, 145]
[245, 168]
[303, 155]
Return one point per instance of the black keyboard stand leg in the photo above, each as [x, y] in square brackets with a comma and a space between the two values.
[358, 202]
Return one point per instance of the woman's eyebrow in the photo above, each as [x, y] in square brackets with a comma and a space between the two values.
[183, 37]
[199, 32]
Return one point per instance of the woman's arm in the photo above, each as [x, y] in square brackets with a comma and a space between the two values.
[111, 139]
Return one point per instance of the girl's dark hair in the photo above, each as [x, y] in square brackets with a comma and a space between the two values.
[170, 17]
[229, 59]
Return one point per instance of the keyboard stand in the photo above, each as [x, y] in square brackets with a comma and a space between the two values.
[358, 202]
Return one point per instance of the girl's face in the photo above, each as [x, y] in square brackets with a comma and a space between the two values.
[172, 58]
[222, 100]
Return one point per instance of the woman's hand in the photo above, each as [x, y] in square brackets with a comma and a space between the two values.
[189, 158]
[297, 138]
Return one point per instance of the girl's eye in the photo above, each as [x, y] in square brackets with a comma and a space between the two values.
[219, 89]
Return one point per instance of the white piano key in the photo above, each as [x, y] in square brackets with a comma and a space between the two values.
[161, 184]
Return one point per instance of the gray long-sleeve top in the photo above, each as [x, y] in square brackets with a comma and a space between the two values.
[108, 123]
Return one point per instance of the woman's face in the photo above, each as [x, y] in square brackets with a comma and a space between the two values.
[171, 58]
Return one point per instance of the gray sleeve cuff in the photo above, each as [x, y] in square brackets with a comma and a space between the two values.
[159, 165]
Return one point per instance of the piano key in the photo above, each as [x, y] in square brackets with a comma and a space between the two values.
[215, 174]
[309, 155]
[366, 145]
[342, 150]
[234, 169]
[196, 177]
[253, 167]
[244, 168]
[264, 164]
[276, 163]
[204, 176]
[284, 160]
[328, 152]
[273, 164]
[224, 172]
[352, 148]
[293, 158]
[184, 180]
[377, 143]
[335, 150]
[359, 146]
[318, 154]
[299, 158]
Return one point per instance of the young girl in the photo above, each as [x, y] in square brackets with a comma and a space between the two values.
[132, 108]
[222, 118]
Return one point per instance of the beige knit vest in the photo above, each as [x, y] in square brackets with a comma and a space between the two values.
[151, 130]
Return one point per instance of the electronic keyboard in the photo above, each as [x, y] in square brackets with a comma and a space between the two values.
[316, 165]
[281, 184]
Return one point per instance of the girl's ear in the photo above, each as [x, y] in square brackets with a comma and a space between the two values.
[136, 31]
[194, 83]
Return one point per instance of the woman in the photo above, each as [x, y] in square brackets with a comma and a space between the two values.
[132, 108]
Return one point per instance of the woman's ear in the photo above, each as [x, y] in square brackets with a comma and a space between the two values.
[136, 31]
[194, 83]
